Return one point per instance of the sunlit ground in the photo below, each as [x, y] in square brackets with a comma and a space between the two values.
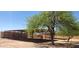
[59, 43]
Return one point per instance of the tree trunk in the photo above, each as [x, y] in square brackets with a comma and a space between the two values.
[51, 27]
[32, 34]
[69, 38]
[52, 34]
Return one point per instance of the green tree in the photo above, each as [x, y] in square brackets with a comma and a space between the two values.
[70, 31]
[54, 21]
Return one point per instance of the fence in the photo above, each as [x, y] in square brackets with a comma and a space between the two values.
[14, 35]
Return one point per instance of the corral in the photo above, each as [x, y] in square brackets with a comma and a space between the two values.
[14, 34]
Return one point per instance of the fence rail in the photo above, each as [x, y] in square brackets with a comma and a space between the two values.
[13, 35]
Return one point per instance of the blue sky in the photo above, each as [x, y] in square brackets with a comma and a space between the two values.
[13, 20]
[76, 14]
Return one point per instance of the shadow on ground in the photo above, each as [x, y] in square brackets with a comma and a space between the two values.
[32, 40]
[64, 45]
[61, 38]
[76, 44]
[69, 45]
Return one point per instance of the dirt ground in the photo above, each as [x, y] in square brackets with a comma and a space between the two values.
[35, 43]
[7, 43]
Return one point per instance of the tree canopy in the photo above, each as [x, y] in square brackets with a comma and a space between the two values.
[62, 21]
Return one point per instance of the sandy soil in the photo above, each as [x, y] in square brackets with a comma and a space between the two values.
[7, 43]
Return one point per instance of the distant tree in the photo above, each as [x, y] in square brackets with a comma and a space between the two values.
[54, 21]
